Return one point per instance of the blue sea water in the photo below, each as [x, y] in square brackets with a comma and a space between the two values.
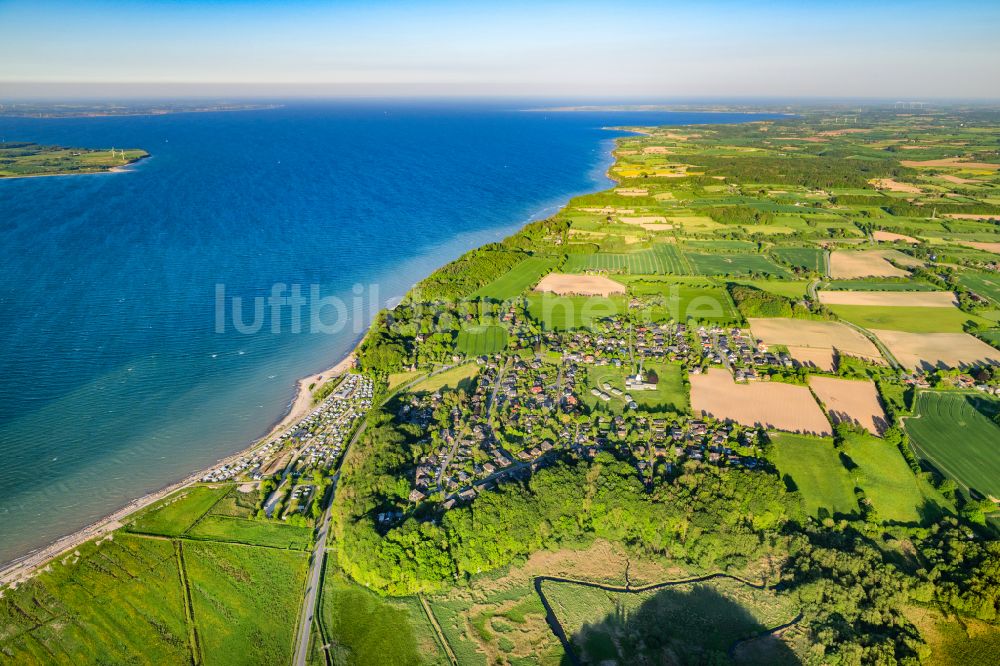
[114, 380]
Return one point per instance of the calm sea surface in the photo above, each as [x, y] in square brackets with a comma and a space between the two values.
[113, 378]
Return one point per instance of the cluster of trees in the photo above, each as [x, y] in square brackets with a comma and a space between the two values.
[754, 302]
[825, 172]
[962, 571]
[746, 215]
[708, 516]
[466, 274]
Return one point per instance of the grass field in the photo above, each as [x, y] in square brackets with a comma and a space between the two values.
[696, 623]
[907, 319]
[175, 514]
[954, 641]
[813, 467]
[451, 378]
[954, 433]
[671, 395]
[512, 283]
[254, 532]
[244, 600]
[889, 484]
[984, 284]
[661, 259]
[368, 629]
[481, 340]
[809, 258]
[734, 264]
[564, 313]
[788, 288]
[114, 599]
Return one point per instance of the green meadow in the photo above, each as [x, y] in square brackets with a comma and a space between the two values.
[522, 276]
[175, 514]
[563, 313]
[909, 319]
[812, 466]
[889, 484]
[809, 258]
[481, 340]
[670, 395]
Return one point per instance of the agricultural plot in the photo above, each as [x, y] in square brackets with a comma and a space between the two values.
[511, 284]
[809, 258]
[563, 313]
[794, 289]
[763, 404]
[244, 600]
[481, 340]
[581, 285]
[907, 319]
[850, 401]
[175, 514]
[896, 299]
[954, 432]
[695, 622]
[662, 259]
[734, 264]
[828, 335]
[889, 484]
[846, 264]
[811, 466]
[369, 629]
[937, 350]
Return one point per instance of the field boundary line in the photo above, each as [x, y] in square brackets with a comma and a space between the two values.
[442, 639]
[209, 510]
[196, 656]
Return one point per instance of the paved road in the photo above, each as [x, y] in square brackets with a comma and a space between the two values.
[316, 564]
[312, 591]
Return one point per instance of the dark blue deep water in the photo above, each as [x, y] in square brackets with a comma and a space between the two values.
[113, 379]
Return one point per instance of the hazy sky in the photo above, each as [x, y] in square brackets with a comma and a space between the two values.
[556, 49]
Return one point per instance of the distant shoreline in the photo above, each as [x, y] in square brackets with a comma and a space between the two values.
[143, 112]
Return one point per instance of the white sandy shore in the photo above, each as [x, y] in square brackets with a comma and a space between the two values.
[26, 566]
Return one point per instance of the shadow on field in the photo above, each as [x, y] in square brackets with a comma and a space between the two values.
[691, 626]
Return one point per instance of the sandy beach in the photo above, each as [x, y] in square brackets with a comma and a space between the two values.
[24, 567]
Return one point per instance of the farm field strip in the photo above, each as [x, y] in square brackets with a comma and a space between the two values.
[957, 438]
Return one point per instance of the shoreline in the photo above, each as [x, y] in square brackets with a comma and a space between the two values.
[121, 168]
[26, 566]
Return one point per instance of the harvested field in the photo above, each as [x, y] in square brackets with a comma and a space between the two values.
[608, 210]
[765, 404]
[950, 162]
[811, 357]
[935, 350]
[851, 401]
[824, 335]
[924, 299]
[958, 180]
[889, 237]
[972, 216]
[987, 247]
[852, 264]
[656, 150]
[632, 192]
[580, 285]
[894, 186]
[643, 219]
[657, 227]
